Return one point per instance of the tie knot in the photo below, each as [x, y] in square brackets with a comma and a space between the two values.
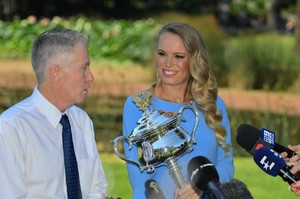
[64, 121]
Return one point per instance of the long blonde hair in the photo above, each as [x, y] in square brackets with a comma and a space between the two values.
[203, 84]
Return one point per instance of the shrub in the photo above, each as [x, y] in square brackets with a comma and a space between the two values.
[119, 40]
[264, 62]
[250, 61]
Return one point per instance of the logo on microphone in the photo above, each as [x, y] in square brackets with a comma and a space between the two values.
[203, 166]
[258, 146]
[268, 136]
[155, 187]
[267, 164]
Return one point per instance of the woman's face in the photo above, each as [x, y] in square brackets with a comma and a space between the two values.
[172, 62]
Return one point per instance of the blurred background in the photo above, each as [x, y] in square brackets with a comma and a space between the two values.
[253, 46]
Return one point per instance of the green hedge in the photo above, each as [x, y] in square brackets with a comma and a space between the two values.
[119, 40]
[250, 61]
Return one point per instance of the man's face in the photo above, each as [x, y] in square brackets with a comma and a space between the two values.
[77, 76]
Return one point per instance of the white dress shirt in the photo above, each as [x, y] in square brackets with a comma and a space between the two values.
[31, 152]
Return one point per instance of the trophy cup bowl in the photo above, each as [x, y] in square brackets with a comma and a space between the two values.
[160, 139]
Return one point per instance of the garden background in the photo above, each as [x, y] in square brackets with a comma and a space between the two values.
[257, 67]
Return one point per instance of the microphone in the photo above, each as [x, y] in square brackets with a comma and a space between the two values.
[204, 176]
[249, 138]
[276, 147]
[153, 190]
[273, 164]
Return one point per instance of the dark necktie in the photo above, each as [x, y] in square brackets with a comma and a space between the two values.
[71, 168]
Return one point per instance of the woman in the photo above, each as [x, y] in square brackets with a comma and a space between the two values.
[184, 77]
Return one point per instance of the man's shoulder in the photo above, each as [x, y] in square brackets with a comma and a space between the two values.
[76, 110]
[20, 108]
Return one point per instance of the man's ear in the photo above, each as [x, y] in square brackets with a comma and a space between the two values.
[55, 72]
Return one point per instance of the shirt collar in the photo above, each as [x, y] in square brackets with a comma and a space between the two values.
[46, 107]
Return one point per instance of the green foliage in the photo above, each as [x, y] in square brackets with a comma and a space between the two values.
[9, 97]
[122, 40]
[253, 7]
[119, 40]
[264, 61]
[106, 113]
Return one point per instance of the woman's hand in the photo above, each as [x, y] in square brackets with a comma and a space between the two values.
[295, 187]
[188, 192]
[295, 159]
[294, 163]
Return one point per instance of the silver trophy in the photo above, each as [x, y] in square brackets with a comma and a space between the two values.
[160, 140]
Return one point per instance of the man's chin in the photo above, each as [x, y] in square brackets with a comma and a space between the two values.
[81, 99]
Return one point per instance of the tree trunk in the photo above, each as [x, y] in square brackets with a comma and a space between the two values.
[275, 19]
[297, 32]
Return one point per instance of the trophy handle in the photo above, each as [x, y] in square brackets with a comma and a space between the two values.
[190, 106]
[115, 146]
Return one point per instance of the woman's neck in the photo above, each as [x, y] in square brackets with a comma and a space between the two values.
[178, 94]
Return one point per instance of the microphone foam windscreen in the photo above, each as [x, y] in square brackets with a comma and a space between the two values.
[269, 161]
[201, 172]
[247, 135]
[236, 189]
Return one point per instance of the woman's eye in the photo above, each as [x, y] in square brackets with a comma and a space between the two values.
[161, 53]
[179, 56]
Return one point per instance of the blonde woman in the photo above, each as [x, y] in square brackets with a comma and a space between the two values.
[184, 77]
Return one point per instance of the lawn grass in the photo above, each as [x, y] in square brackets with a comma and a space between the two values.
[260, 184]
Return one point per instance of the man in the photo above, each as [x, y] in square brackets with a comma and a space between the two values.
[34, 159]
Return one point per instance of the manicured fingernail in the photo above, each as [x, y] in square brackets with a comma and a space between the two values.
[294, 185]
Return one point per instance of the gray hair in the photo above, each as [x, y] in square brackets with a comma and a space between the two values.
[52, 43]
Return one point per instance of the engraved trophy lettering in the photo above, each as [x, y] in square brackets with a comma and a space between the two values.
[160, 140]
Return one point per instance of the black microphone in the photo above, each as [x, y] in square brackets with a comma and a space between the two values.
[204, 176]
[249, 137]
[273, 164]
[276, 147]
[153, 190]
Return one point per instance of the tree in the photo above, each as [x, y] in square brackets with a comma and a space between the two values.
[297, 33]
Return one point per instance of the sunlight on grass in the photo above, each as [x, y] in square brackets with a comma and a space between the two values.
[260, 184]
